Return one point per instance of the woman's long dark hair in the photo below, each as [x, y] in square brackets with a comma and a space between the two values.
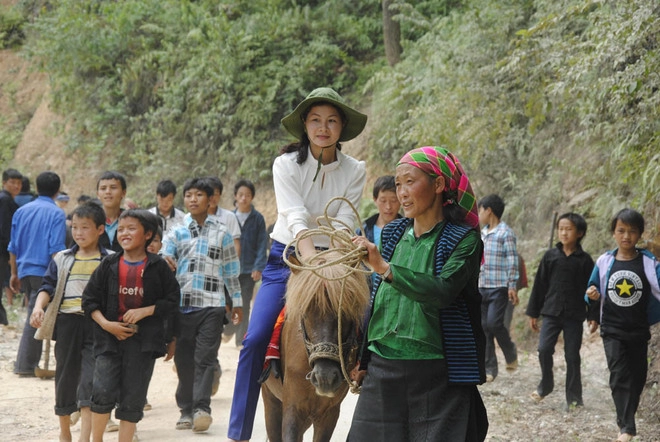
[302, 146]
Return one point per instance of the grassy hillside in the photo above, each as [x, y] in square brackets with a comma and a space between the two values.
[551, 104]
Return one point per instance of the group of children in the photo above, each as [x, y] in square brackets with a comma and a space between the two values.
[120, 311]
[621, 294]
[114, 313]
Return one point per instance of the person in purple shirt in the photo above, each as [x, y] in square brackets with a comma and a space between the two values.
[38, 230]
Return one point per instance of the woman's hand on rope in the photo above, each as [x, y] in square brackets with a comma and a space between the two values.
[373, 257]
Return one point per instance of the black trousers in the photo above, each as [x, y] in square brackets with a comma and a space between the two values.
[4, 277]
[550, 329]
[247, 288]
[494, 303]
[411, 401]
[122, 378]
[197, 345]
[29, 349]
[74, 371]
[628, 364]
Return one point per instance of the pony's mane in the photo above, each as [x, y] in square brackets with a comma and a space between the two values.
[320, 290]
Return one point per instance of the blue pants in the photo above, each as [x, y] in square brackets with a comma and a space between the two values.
[267, 306]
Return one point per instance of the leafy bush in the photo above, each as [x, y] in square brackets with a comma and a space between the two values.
[554, 105]
[180, 88]
[11, 28]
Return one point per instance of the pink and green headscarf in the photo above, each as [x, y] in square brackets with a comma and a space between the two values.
[438, 161]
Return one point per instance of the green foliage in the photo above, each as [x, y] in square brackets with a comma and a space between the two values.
[554, 105]
[10, 136]
[188, 88]
[11, 28]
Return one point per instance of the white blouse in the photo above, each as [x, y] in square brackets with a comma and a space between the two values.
[300, 201]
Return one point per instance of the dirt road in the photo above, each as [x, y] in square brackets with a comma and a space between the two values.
[26, 404]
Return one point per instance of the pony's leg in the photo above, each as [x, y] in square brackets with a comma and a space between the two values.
[325, 424]
[273, 412]
[294, 423]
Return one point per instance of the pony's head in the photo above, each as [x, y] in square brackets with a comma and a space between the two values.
[323, 301]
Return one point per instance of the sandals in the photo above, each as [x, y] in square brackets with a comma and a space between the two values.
[536, 396]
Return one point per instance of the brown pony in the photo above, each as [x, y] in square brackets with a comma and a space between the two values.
[313, 384]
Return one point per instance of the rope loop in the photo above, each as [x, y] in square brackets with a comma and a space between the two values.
[352, 259]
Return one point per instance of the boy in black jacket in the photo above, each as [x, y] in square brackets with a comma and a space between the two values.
[129, 296]
[558, 295]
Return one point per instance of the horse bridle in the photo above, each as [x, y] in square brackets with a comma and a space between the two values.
[329, 350]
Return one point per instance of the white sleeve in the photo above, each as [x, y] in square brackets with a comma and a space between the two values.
[290, 202]
[353, 193]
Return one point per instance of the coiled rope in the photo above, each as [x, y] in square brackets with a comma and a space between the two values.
[352, 260]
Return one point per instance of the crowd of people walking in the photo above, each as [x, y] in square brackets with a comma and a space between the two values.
[117, 287]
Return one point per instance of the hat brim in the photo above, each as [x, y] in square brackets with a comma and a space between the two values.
[354, 124]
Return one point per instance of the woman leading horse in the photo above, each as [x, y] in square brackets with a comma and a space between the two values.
[425, 346]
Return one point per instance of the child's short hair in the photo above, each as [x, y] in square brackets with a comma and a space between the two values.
[166, 187]
[112, 175]
[630, 217]
[83, 199]
[383, 184]
[202, 184]
[244, 183]
[493, 202]
[92, 211]
[12, 174]
[48, 184]
[578, 221]
[148, 220]
[215, 183]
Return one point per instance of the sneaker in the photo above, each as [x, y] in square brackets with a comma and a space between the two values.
[490, 378]
[74, 418]
[536, 396]
[147, 405]
[185, 422]
[201, 421]
[111, 426]
[625, 437]
[512, 366]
